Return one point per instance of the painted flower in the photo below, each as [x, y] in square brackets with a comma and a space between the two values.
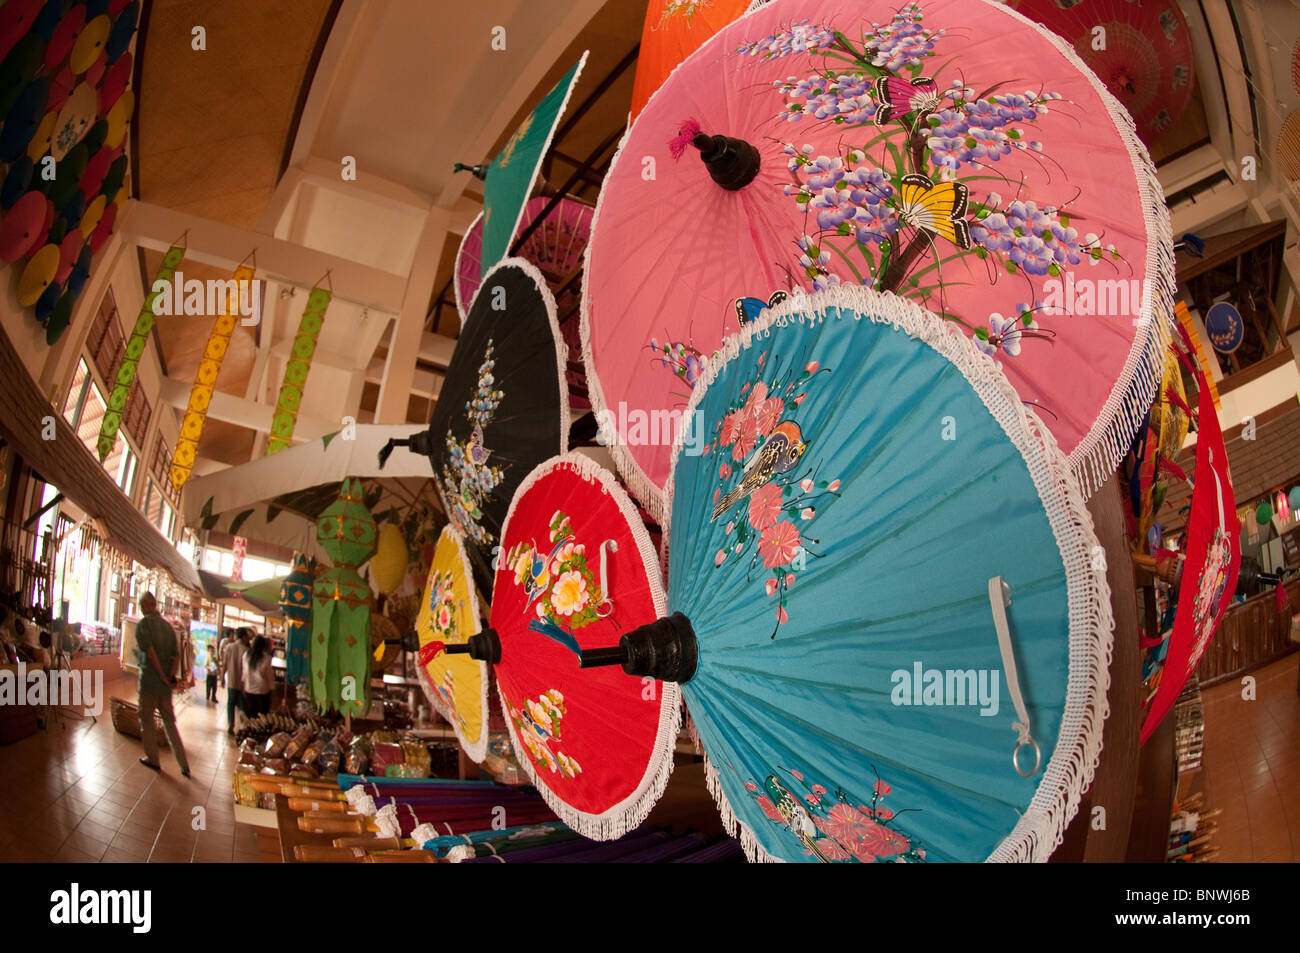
[882, 788]
[769, 809]
[1004, 334]
[779, 544]
[751, 787]
[806, 484]
[444, 618]
[746, 438]
[831, 849]
[771, 587]
[819, 789]
[842, 822]
[798, 775]
[807, 513]
[570, 593]
[765, 506]
[724, 471]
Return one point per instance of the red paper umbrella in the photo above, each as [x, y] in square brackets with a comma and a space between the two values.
[15, 20]
[69, 249]
[576, 572]
[104, 230]
[1208, 576]
[23, 225]
[1145, 58]
[114, 84]
[65, 36]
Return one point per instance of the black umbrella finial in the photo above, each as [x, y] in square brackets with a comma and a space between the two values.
[478, 171]
[421, 443]
[666, 649]
[387, 449]
[732, 163]
[484, 647]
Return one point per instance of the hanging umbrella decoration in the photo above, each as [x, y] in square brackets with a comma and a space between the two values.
[455, 684]
[897, 149]
[849, 708]
[1145, 60]
[503, 407]
[508, 180]
[555, 247]
[674, 29]
[1156, 448]
[1206, 579]
[297, 368]
[135, 345]
[340, 624]
[54, 122]
[296, 592]
[205, 378]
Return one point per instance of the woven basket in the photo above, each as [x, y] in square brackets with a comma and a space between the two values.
[126, 720]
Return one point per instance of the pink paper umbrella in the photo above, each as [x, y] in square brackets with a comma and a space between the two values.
[953, 153]
[555, 246]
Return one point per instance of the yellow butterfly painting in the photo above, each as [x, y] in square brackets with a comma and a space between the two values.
[938, 209]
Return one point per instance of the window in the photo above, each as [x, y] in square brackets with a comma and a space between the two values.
[127, 470]
[138, 412]
[156, 510]
[76, 395]
[161, 469]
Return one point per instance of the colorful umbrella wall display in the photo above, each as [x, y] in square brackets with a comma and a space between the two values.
[805, 146]
[578, 571]
[1207, 578]
[674, 29]
[296, 591]
[53, 61]
[340, 623]
[510, 177]
[296, 370]
[859, 697]
[1146, 63]
[503, 407]
[455, 684]
[135, 345]
[205, 379]
[555, 247]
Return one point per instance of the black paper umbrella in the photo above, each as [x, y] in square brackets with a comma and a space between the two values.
[502, 409]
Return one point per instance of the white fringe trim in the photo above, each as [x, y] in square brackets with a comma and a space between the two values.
[1094, 459]
[365, 805]
[387, 821]
[1098, 453]
[476, 751]
[356, 794]
[461, 853]
[1070, 769]
[629, 813]
[423, 833]
[463, 306]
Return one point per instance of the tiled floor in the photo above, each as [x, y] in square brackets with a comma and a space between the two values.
[1251, 765]
[77, 793]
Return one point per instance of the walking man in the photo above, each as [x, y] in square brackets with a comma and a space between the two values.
[232, 674]
[156, 645]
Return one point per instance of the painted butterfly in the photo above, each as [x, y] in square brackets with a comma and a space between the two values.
[747, 309]
[898, 97]
[938, 209]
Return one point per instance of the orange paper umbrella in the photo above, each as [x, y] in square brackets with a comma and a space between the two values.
[674, 29]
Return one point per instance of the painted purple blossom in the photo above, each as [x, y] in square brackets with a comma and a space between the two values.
[800, 38]
[903, 42]
[1004, 334]
[846, 99]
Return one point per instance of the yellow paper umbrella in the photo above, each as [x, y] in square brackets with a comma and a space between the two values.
[449, 614]
[38, 274]
[94, 212]
[40, 143]
[117, 118]
[90, 43]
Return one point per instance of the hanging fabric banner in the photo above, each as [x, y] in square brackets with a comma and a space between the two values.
[295, 372]
[205, 379]
[296, 601]
[135, 344]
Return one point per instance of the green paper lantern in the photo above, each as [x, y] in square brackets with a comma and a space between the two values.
[1263, 512]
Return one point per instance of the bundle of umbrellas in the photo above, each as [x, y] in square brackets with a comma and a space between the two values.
[821, 375]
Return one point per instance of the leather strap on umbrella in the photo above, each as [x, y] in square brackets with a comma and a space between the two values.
[999, 599]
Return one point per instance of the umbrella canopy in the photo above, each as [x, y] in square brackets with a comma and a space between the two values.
[503, 407]
[1208, 577]
[578, 572]
[555, 247]
[510, 177]
[278, 498]
[806, 145]
[674, 29]
[885, 617]
[455, 684]
[1146, 60]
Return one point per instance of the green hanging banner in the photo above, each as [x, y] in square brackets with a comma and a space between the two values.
[295, 372]
[340, 619]
[135, 345]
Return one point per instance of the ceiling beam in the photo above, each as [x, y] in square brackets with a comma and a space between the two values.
[224, 246]
[239, 411]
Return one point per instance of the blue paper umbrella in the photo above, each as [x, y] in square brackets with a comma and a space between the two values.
[885, 608]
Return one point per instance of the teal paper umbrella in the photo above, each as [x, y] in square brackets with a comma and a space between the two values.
[510, 177]
[884, 606]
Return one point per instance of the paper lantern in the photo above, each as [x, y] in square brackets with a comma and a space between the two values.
[1294, 498]
[135, 345]
[388, 568]
[205, 379]
[1282, 506]
[1263, 512]
[296, 370]
[340, 625]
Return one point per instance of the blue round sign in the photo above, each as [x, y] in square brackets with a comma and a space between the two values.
[1224, 325]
